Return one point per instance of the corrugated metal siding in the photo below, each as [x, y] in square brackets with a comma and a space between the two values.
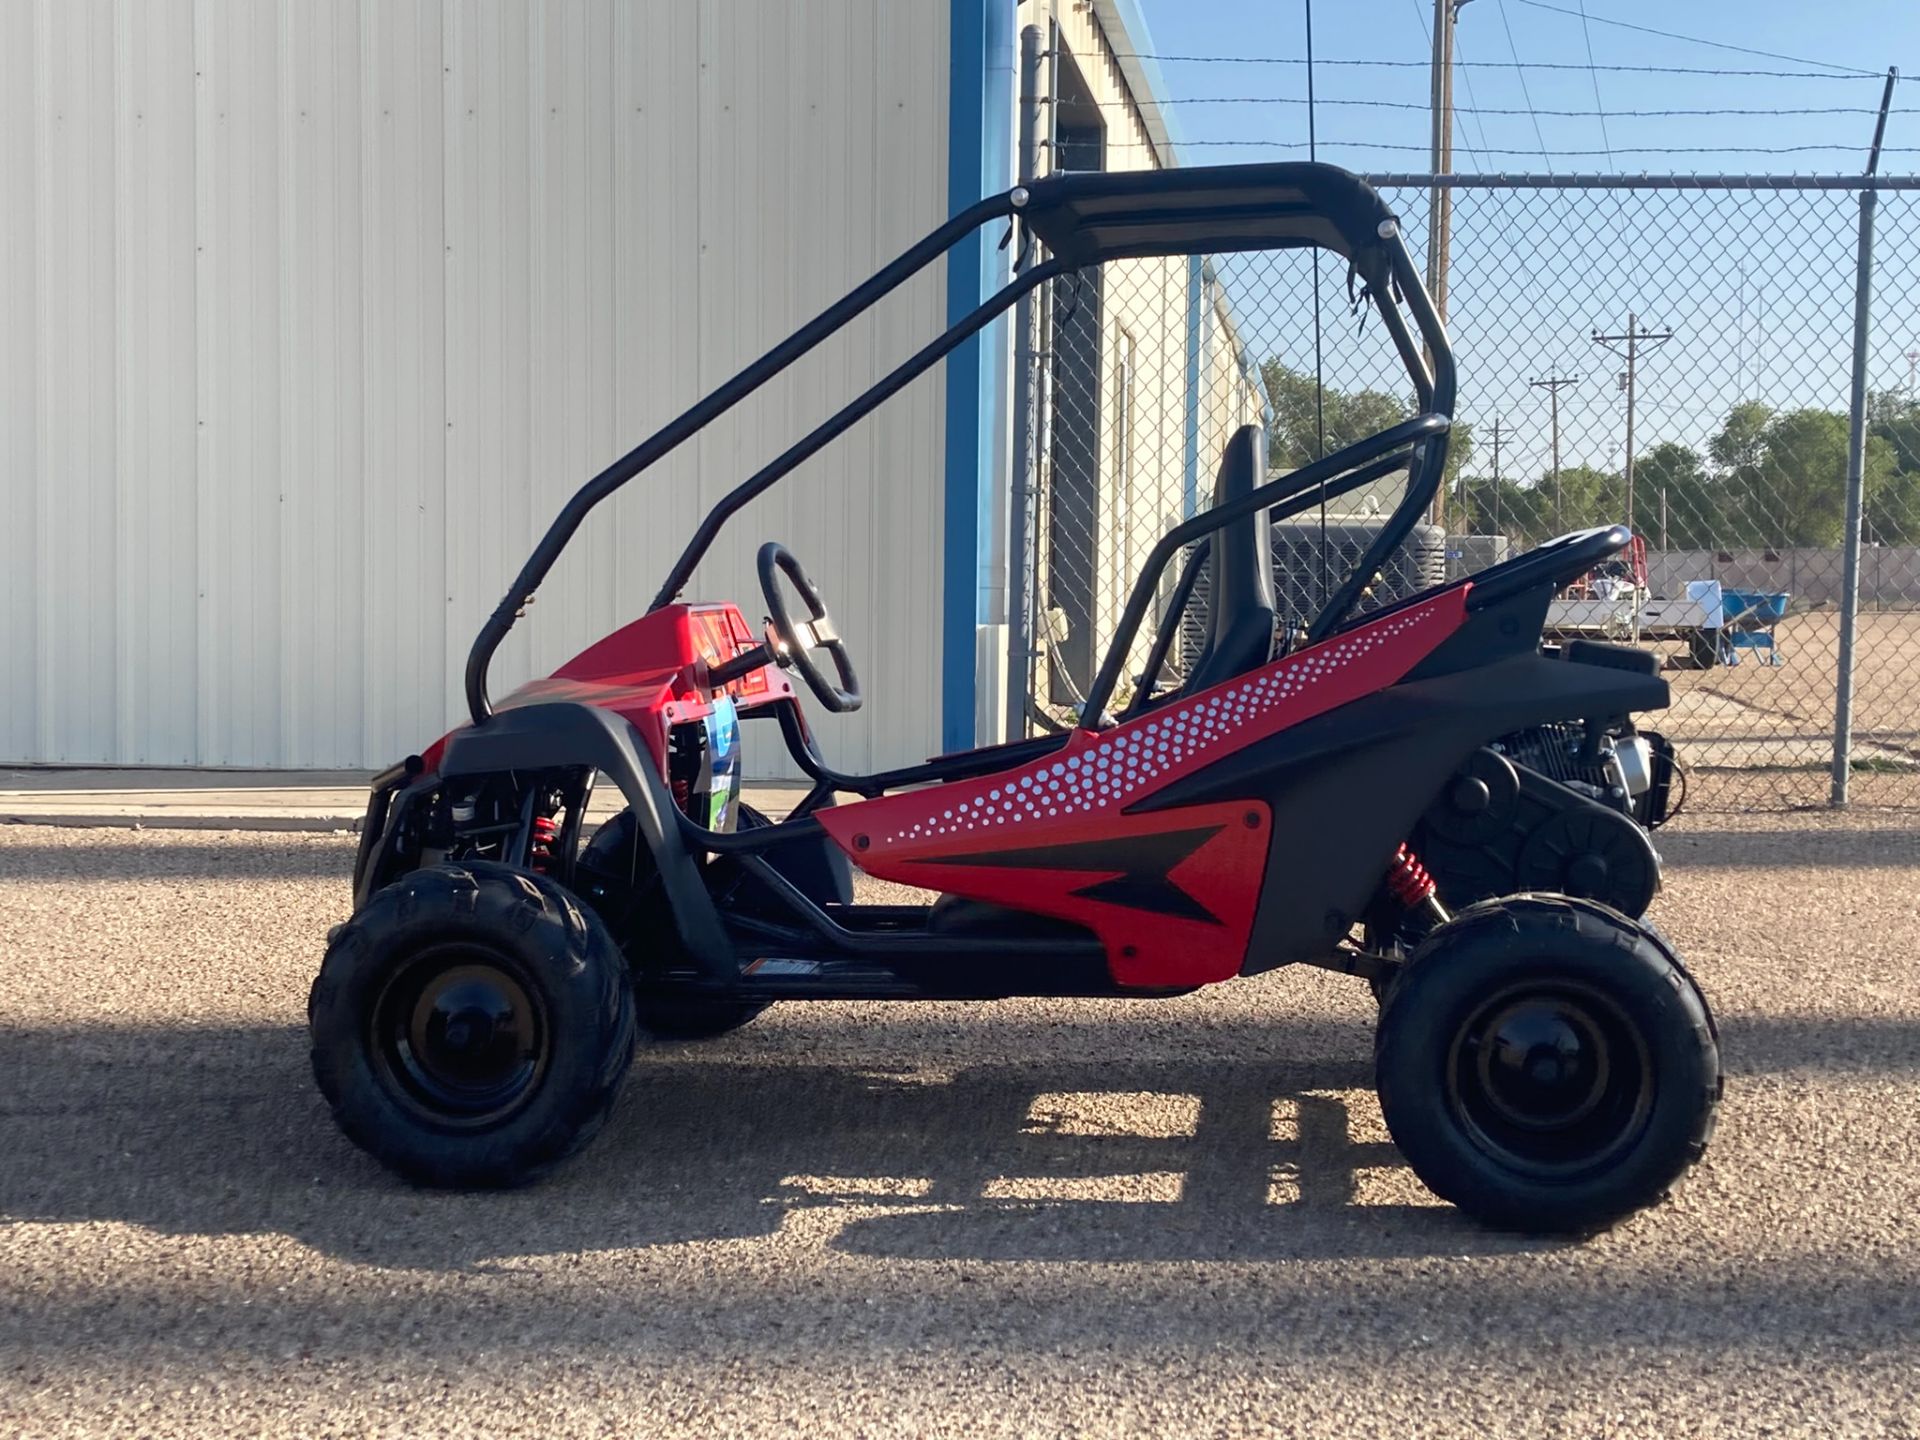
[311, 316]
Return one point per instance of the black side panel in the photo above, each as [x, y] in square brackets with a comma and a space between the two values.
[1620, 657]
[540, 737]
[1499, 632]
[818, 867]
[1346, 787]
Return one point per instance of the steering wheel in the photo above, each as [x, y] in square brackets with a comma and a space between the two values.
[799, 639]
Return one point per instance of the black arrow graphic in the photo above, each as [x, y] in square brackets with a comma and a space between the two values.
[1137, 864]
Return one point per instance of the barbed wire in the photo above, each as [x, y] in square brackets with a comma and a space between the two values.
[1502, 65]
[1593, 75]
[1526, 96]
[1425, 106]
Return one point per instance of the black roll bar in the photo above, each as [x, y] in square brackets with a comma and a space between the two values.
[1424, 483]
[896, 380]
[1290, 503]
[1086, 219]
[696, 418]
[1430, 429]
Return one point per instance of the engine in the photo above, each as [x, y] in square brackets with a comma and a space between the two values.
[1623, 769]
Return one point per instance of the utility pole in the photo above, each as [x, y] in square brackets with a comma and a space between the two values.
[1440, 199]
[1913, 360]
[1440, 151]
[1552, 385]
[1633, 339]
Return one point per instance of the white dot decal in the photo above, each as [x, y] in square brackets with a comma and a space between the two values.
[1113, 769]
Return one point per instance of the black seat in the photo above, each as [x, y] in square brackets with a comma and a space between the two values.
[1240, 607]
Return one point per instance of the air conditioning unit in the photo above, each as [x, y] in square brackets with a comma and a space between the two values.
[1302, 583]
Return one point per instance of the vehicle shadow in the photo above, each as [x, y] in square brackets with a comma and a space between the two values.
[219, 1130]
[1228, 1148]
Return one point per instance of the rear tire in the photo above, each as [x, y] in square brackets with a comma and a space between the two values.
[471, 1026]
[1547, 1065]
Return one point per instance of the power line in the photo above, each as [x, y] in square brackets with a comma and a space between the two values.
[1696, 40]
[1594, 76]
[1524, 95]
[1500, 65]
[1472, 109]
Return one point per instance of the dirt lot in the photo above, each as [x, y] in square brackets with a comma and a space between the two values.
[1025, 1219]
[1762, 735]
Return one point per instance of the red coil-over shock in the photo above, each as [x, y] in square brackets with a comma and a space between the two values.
[540, 852]
[1410, 884]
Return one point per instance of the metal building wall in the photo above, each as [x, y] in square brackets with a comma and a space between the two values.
[312, 315]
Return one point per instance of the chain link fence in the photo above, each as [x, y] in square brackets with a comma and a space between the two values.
[1676, 354]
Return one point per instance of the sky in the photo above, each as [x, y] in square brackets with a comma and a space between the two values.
[1491, 35]
[1756, 288]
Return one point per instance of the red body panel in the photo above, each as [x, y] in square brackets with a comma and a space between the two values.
[653, 673]
[1172, 893]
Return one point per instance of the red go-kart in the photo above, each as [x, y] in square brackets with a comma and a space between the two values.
[1422, 794]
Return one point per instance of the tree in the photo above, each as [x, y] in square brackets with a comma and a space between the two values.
[1293, 438]
[1678, 502]
[1736, 453]
[1586, 497]
[1799, 492]
[1742, 439]
[1893, 508]
[1523, 513]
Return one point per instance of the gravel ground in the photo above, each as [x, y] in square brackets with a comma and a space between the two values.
[1026, 1218]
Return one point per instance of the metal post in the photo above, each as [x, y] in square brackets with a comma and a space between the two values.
[1440, 198]
[1856, 458]
[1856, 467]
[1025, 411]
[1632, 341]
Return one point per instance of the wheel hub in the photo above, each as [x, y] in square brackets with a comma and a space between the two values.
[460, 1036]
[1541, 1064]
[1549, 1081]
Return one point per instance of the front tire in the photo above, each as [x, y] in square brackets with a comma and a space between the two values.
[1547, 1065]
[471, 1026]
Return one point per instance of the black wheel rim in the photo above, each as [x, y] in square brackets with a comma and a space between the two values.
[460, 1037]
[1551, 1081]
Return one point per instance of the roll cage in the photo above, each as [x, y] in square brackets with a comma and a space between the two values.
[1084, 220]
